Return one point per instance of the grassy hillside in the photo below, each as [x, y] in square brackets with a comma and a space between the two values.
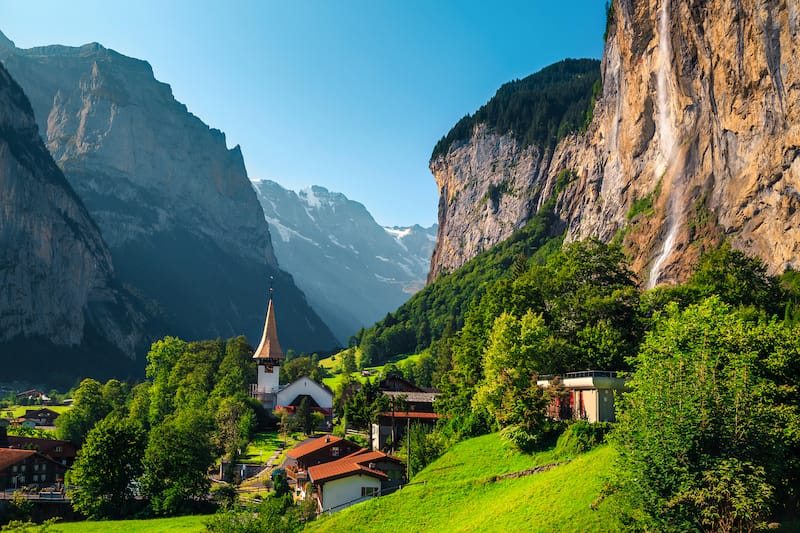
[460, 492]
[156, 525]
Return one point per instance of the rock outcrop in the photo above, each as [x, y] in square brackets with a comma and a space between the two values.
[59, 299]
[488, 187]
[695, 138]
[353, 270]
[185, 229]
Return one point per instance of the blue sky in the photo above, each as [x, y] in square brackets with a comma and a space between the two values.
[350, 95]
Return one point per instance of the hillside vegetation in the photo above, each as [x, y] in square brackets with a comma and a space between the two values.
[455, 492]
[539, 109]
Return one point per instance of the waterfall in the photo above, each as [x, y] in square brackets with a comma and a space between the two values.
[667, 140]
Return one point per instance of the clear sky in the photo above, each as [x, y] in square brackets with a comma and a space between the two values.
[350, 95]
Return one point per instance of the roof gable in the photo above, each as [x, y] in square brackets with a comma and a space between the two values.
[341, 468]
[313, 445]
[9, 457]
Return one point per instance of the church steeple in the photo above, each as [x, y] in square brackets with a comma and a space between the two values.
[269, 350]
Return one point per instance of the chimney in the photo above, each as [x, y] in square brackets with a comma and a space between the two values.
[328, 438]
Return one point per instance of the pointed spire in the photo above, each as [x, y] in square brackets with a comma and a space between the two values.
[269, 349]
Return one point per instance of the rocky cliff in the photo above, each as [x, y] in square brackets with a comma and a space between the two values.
[694, 139]
[353, 270]
[184, 226]
[59, 300]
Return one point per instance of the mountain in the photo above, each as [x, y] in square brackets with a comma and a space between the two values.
[61, 306]
[174, 204]
[694, 139]
[489, 167]
[353, 270]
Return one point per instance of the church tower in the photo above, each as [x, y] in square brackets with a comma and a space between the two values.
[268, 357]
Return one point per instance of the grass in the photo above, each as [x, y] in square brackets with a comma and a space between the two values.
[333, 365]
[460, 493]
[264, 445]
[16, 411]
[155, 525]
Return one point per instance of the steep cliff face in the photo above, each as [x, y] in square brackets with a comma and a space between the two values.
[353, 270]
[58, 292]
[700, 116]
[694, 138]
[492, 168]
[173, 202]
[487, 189]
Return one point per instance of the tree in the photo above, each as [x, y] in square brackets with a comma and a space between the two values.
[106, 467]
[305, 417]
[708, 436]
[517, 350]
[89, 406]
[737, 279]
[176, 461]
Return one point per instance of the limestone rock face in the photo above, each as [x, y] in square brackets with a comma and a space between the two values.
[353, 270]
[487, 188]
[173, 202]
[695, 138]
[57, 283]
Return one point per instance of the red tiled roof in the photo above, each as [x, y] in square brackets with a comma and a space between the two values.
[313, 445]
[341, 468]
[412, 415]
[365, 456]
[9, 457]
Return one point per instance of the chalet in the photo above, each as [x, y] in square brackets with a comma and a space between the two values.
[391, 426]
[60, 451]
[414, 398]
[28, 468]
[354, 478]
[314, 452]
[32, 396]
[585, 395]
[37, 417]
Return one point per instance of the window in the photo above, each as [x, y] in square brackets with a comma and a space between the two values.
[335, 451]
[59, 449]
[369, 491]
[14, 468]
[35, 478]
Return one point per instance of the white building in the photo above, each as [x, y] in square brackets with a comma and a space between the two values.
[587, 395]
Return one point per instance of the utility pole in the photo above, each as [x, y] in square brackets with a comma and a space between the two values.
[408, 446]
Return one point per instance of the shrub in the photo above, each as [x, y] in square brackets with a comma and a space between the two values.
[581, 437]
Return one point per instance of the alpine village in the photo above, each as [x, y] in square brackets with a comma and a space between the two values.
[601, 333]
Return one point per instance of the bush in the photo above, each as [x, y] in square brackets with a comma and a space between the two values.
[580, 437]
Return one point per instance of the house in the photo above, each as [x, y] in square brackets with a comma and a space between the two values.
[32, 396]
[37, 417]
[390, 428]
[587, 395]
[28, 468]
[415, 398]
[320, 397]
[314, 452]
[60, 451]
[352, 479]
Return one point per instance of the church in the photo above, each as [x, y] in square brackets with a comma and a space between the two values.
[268, 357]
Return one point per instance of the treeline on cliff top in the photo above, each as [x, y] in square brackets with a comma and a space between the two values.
[540, 109]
